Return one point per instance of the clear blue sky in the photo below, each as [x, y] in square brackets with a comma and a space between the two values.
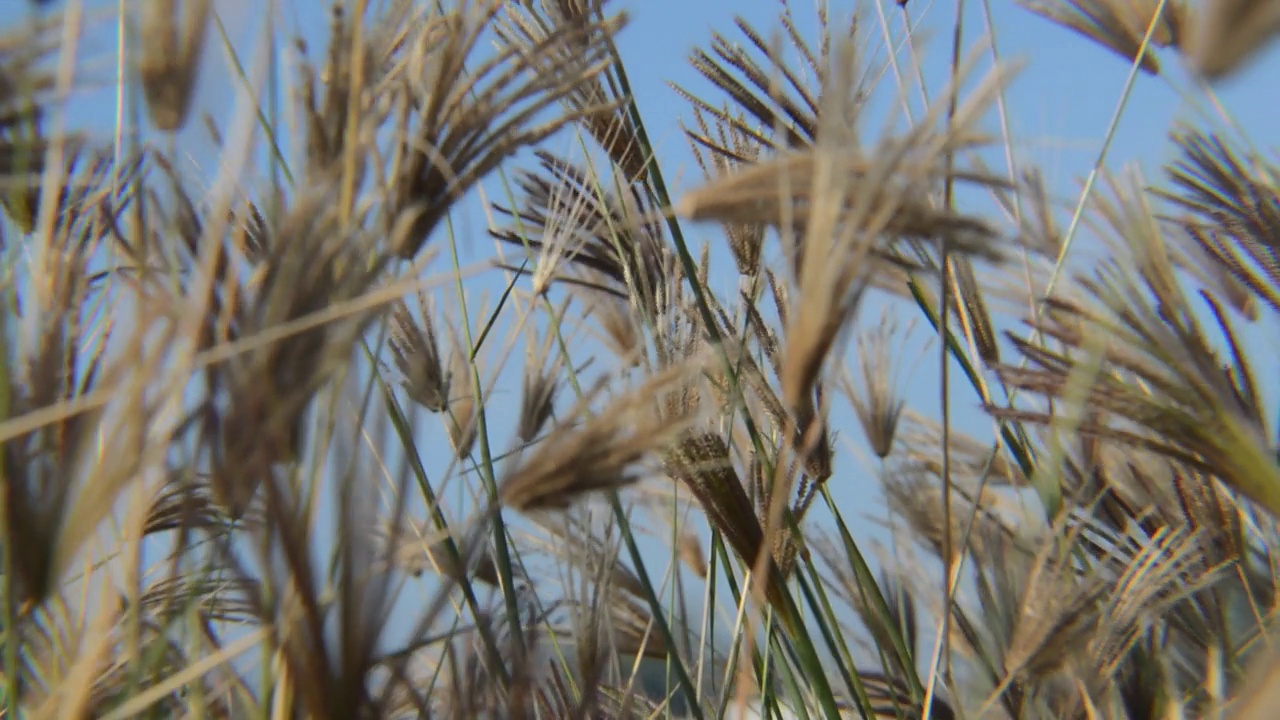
[1060, 107]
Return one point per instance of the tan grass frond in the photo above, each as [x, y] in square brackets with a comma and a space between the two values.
[25, 80]
[878, 403]
[368, 100]
[600, 451]
[1163, 384]
[1059, 611]
[597, 100]
[416, 552]
[918, 499]
[25, 89]
[1135, 487]
[892, 698]
[1229, 32]
[789, 188]
[745, 240]
[628, 703]
[576, 541]
[841, 202]
[555, 225]
[882, 190]
[542, 380]
[692, 555]
[416, 352]
[781, 100]
[568, 214]
[1164, 571]
[970, 456]
[109, 668]
[467, 122]
[169, 57]
[187, 502]
[622, 330]
[218, 600]
[1234, 202]
[461, 416]
[633, 632]
[253, 419]
[328, 616]
[60, 478]
[1120, 25]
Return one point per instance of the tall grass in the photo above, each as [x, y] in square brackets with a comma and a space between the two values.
[271, 447]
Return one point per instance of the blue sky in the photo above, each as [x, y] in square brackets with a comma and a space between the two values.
[1060, 107]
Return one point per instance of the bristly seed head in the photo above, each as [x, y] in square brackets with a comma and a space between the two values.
[170, 58]
[416, 352]
[461, 414]
[878, 403]
[541, 383]
[599, 452]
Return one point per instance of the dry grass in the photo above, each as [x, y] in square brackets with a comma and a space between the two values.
[219, 500]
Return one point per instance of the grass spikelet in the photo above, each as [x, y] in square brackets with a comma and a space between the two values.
[732, 148]
[461, 415]
[1154, 341]
[416, 352]
[702, 463]
[542, 381]
[1229, 32]
[213, 483]
[1234, 205]
[596, 99]
[1120, 25]
[598, 453]
[691, 554]
[1058, 611]
[418, 551]
[775, 97]
[464, 123]
[971, 307]
[878, 404]
[568, 215]
[169, 57]
[313, 262]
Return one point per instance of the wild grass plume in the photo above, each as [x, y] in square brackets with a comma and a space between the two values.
[428, 377]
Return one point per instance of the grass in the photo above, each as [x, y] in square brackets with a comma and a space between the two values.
[271, 449]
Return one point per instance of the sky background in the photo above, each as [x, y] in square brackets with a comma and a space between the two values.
[1059, 105]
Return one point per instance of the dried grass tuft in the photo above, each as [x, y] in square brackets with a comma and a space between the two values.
[1229, 32]
[169, 57]
[599, 451]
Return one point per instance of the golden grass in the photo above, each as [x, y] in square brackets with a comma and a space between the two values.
[218, 500]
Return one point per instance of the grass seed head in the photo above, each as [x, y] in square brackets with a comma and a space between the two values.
[169, 57]
[416, 351]
[600, 452]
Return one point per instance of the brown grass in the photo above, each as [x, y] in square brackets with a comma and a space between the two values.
[219, 500]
